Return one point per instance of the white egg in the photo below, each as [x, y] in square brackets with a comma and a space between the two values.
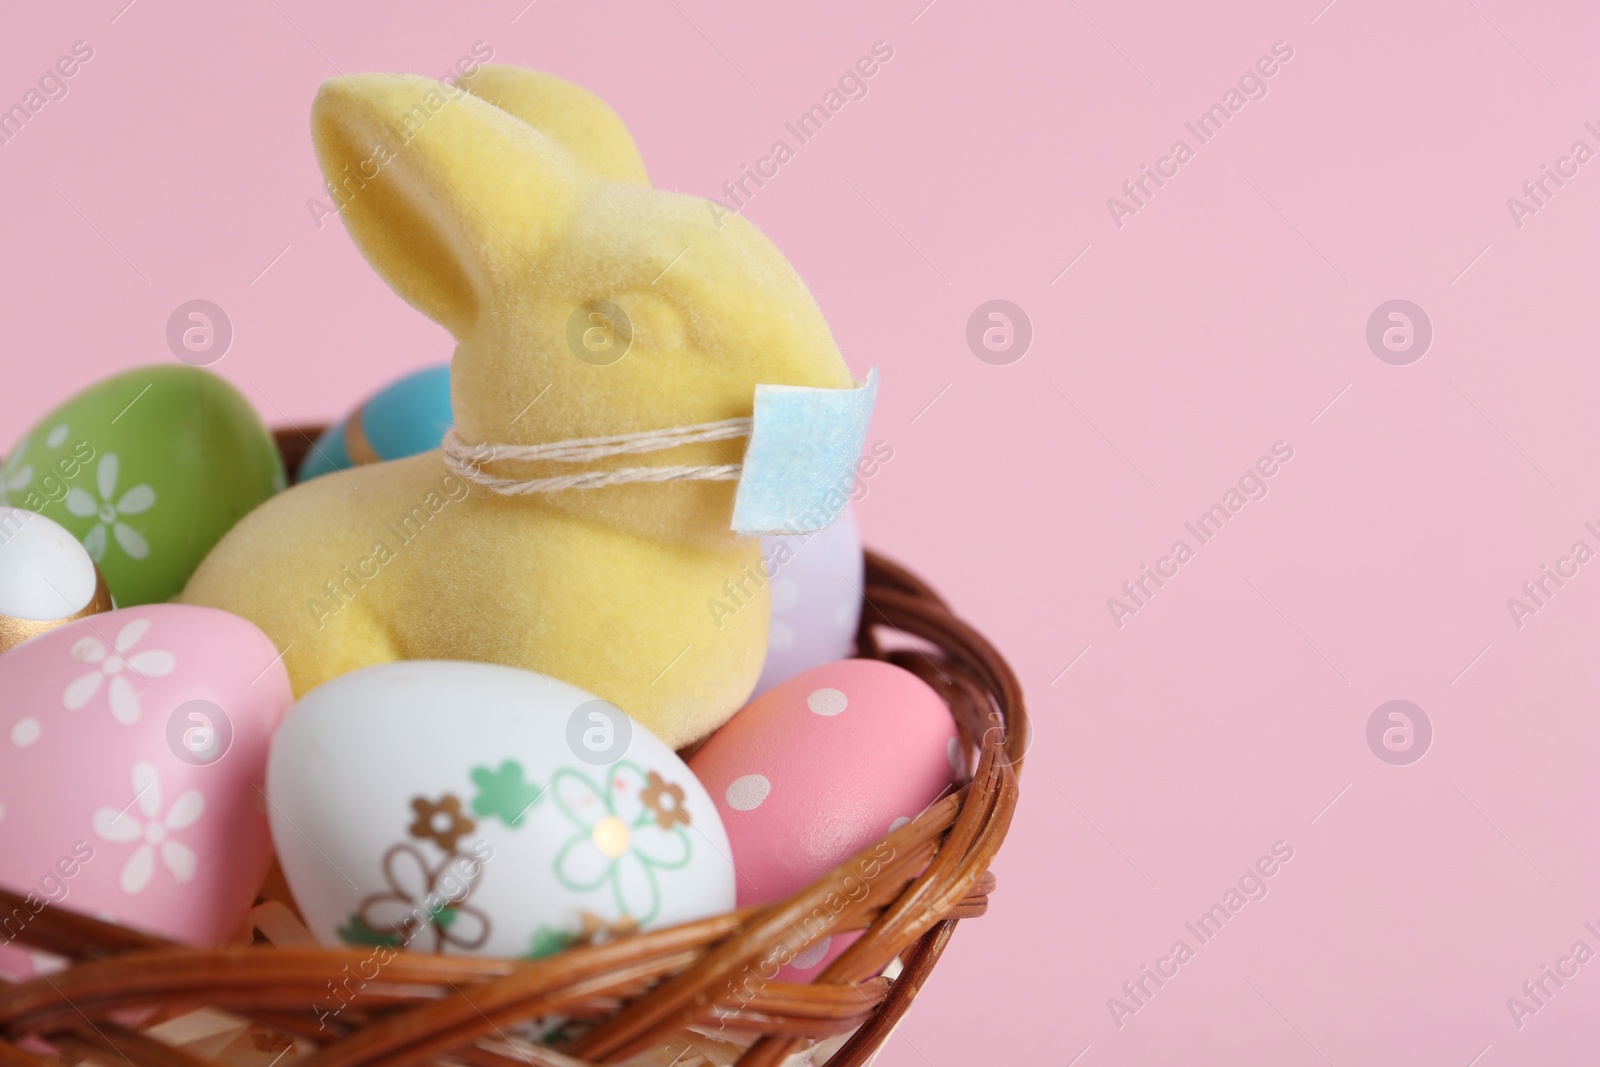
[480, 809]
[46, 577]
[817, 581]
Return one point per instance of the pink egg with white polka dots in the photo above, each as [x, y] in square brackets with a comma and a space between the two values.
[133, 748]
[819, 767]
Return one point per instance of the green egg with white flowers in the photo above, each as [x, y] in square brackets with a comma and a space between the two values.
[148, 469]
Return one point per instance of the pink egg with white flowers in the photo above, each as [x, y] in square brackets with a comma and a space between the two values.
[817, 768]
[133, 748]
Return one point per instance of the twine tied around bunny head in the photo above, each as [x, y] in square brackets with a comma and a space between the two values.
[469, 460]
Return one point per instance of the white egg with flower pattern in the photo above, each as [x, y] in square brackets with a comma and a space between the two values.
[474, 808]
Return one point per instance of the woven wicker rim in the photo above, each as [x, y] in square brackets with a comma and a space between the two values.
[906, 892]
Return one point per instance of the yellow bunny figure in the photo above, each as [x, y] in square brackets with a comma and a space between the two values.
[510, 233]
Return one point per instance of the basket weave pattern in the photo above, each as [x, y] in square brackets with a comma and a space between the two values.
[348, 1007]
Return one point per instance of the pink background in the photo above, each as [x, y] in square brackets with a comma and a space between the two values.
[1224, 316]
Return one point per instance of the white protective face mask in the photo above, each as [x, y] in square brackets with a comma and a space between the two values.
[796, 476]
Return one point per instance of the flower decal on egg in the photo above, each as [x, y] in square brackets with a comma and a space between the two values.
[122, 826]
[504, 794]
[596, 930]
[621, 840]
[109, 511]
[441, 822]
[112, 667]
[422, 897]
[666, 800]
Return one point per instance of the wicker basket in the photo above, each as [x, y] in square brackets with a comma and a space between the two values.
[698, 988]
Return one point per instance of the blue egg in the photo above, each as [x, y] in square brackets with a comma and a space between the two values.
[403, 418]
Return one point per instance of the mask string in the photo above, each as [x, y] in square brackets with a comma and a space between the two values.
[468, 460]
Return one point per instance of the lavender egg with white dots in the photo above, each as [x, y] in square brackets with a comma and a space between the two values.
[816, 582]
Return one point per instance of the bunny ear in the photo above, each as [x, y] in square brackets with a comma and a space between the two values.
[447, 196]
[573, 117]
